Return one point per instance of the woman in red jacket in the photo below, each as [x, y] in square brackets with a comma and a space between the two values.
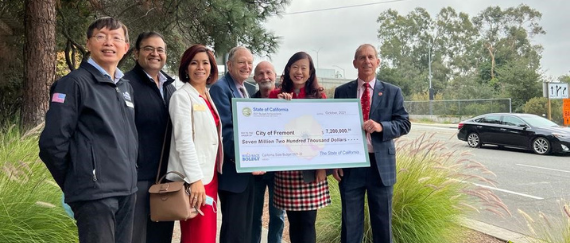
[300, 193]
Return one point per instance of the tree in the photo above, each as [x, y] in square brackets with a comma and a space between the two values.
[12, 69]
[486, 56]
[220, 24]
[506, 32]
[39, 59]
[564, 78]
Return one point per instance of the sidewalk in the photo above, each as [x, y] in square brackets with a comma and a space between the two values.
[176, 234]
[497, 232]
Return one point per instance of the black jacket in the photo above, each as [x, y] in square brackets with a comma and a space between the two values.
[151, 117]
[89, 143]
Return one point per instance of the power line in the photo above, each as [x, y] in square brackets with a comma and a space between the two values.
[343, 7]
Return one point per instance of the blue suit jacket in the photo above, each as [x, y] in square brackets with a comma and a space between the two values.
[222, 93]
[387, 108]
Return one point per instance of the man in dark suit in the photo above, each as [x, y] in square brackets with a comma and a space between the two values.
[235, 190]
[385, 118]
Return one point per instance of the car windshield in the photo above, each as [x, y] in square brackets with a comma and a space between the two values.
[537, 121]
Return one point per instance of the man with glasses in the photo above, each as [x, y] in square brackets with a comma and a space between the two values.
[90, 144]
[153, 89]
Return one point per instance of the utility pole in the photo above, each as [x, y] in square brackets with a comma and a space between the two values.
[317, 51]
[430, 92]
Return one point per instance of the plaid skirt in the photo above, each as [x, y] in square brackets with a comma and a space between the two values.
[293, 194]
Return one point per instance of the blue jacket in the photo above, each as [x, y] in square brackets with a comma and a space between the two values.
[89, 143]
[387, 108]
[222, 93]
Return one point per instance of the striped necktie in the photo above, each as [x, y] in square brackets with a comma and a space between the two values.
[243, 92]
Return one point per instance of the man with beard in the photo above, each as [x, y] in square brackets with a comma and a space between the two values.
[264, 75]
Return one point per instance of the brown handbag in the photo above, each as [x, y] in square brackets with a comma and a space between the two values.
[170, 201]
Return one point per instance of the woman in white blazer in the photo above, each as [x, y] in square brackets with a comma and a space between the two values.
[196, 148]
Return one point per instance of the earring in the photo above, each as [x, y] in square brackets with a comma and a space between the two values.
[186, 77]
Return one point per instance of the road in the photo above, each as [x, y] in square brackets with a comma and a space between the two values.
[527, 181]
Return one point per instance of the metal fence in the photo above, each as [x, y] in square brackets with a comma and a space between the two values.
[458, 107]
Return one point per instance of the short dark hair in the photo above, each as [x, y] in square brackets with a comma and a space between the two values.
[109, 23]
[187, 58]
[145, 35]
[312, 88]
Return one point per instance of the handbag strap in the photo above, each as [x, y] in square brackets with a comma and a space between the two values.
[164, 145]
[174, 172]
[162, 154]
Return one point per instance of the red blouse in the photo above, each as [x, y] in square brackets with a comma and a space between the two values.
[273, 94]
[214, 114]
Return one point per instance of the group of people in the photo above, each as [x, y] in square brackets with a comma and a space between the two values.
[108, 136]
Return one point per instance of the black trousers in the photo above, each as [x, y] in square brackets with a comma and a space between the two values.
[237, 214]
[105, 220]
[302, 226]
[145, 230]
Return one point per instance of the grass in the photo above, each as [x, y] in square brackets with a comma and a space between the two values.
[30, 207]
[548, 229]
[434, 190]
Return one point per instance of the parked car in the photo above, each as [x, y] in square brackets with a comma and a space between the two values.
[526, 131]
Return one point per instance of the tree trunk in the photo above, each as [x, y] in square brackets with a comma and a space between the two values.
[491, 50]
[39, 61]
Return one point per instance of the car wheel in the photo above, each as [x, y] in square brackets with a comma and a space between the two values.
[473, 140]
[541, 145]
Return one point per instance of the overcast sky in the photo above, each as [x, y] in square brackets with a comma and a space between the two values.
[334, 35]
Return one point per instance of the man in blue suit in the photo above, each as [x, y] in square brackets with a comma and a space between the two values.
[385, 120]
[235, 189]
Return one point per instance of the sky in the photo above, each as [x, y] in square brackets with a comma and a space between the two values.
[332, 36]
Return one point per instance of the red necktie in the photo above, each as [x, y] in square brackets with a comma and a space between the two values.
[365, 102]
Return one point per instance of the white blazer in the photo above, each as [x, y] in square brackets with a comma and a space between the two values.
[195, 143]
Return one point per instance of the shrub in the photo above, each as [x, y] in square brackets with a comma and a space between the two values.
[539, 107]
[435, 189]
[30, 203]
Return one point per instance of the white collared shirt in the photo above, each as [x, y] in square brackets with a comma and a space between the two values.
[161, 80]
[118, 73]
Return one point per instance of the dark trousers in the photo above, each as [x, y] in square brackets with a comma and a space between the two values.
[302, 226]
[237, 215]
[276, 216]
[105, 220]
[145, 230]
[354, 184]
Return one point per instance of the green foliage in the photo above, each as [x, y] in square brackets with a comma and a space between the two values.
[30, 201]
[564, 78]
[539, 106]
[220, 24]
[432, 193]
[489, 55]
[12, 68]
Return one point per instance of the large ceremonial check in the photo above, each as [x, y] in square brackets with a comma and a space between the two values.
[278, 135]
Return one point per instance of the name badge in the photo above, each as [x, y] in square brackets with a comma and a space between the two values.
[199, 107]
[129, 104]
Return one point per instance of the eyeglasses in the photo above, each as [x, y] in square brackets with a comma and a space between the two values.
[151, 49]
[102, 38]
